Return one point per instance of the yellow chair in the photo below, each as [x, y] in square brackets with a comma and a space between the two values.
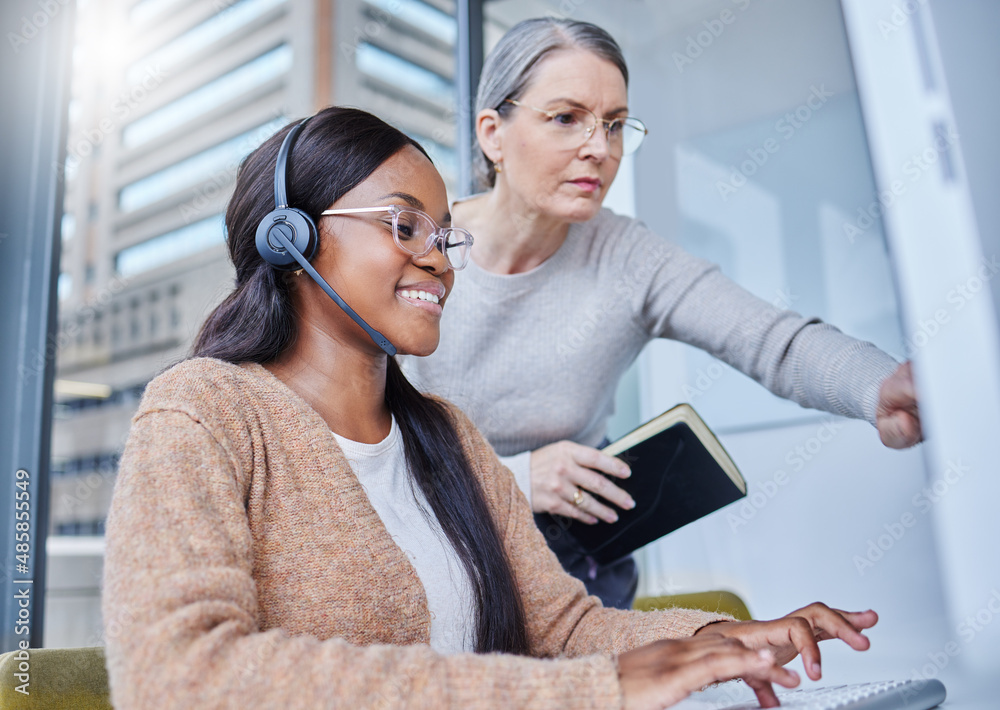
[58, 679]
[76, 678]
[719, 601]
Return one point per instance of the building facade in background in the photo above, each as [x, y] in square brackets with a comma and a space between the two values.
[168, 96]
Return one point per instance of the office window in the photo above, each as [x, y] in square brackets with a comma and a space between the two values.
[445, 158]
[146, 10]
[171, 246]
[195, 169]
[211, 95]
[202, 36]
[64, 287]
[164, 233]
[421, 16]
[68, 227]
[406, 76]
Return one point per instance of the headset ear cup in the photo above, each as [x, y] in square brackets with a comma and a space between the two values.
[297, 227]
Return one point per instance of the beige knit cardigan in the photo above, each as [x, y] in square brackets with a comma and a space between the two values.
[246, 568]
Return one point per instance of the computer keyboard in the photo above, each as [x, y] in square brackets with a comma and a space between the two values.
[882, 695]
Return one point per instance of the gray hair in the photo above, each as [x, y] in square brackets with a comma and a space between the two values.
[510, 66]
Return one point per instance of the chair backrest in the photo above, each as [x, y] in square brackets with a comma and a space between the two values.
[54, 679]
[719, 601]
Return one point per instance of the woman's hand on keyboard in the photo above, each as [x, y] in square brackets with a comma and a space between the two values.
[797, 633]
[665, 672]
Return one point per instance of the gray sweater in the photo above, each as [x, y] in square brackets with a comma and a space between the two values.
[534, 358]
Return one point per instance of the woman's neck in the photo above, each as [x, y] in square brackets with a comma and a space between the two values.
[511, 236]
[344, 384]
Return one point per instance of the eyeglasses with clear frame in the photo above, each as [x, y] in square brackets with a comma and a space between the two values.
[416, 233]
[572, 126]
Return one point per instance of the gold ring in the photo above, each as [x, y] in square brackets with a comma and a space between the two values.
[578, 498]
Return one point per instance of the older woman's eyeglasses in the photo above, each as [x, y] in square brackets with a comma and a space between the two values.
[416, 233]
[572, 126]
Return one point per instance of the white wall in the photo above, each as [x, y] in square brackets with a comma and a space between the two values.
[827, 501]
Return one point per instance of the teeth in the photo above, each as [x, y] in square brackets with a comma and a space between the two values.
[422, 295]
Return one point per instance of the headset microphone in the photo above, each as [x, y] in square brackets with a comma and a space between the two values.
[287, 239]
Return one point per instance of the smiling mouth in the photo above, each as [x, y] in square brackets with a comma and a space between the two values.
[424, 300]
[419, 295]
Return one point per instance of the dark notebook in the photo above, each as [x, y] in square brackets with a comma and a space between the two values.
[680, 473]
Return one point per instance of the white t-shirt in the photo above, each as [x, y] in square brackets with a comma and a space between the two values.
[382, 471]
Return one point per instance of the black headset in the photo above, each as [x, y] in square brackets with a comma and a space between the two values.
[287, 238]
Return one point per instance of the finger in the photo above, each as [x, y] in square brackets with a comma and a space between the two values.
[727, 662]
[588, 504]
[900, 429]
[900, 388]
[571, 510]
[908, 426]
[602, 486]
[763, 688]
[907, 387]
[845, 625]
[832, 623]
[860, 619]
[800, 634]
[590, 457]
[765, 693]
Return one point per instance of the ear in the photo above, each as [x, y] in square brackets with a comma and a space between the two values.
[489, 134]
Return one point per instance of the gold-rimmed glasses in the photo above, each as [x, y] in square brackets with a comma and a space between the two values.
[572, 126]
[416, 233]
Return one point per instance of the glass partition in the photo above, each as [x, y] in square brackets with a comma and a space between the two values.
[167, 98]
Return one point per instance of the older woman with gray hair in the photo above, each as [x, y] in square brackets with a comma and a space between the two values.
[552, 123]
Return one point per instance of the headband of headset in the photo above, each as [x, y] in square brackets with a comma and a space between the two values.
[287, 238]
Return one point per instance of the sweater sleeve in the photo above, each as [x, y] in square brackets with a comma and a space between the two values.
[520, 466]
[563, 620]
[683, 297]
[182, 622]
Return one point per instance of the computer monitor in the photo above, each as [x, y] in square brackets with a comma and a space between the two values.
[944, 242]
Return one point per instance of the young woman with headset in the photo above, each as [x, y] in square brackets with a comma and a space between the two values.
[294, 525]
